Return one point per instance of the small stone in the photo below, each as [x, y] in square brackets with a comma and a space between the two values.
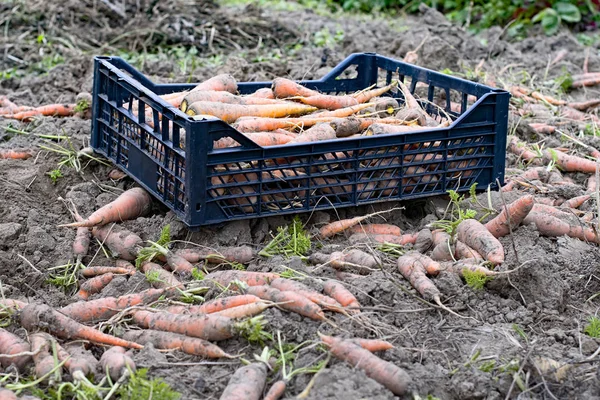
[9, 231]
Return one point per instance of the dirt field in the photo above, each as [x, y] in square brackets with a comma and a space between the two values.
[511, 333]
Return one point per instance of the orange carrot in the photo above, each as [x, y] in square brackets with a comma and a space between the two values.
[549, 225]
[216, 305]
[384, 372]
[412, 266]
[518, 148]
[517, 210]
[120, 242]
[548, 99]
[543, 128]
[365, 238]
[221, 82]
[11, 305]
[6, 394]
[300, 288]
[11, 110]
[264, 93]
[90, 272]
[116, 361]
[472, 233]
[342, 295]
[242, 255]
[331, 102]
[104, 308]
[11, 344]
[204, 326]
[40, 316]
[224, 97]
[250, 278]
[41, 346]
[377, 229]
[445, 251]
[116, 174]
[591, 184]
[130, 204]
[289, 300]
[260, 124]
[78, 361]
[340, 226]
[244, 311]
[94, 285]
[15, 154]
[260, 138]
[354, 259]
[570, 163]
[176, 341]
[412, 109]
[576, 202]
[585, 105]
[340, 112]
[576, 115]
[6, 103]
[321, 131]
[586, 82]
[81, 243]
[57, 110]
[163, 279]
[372, 345]
[178, 264]
[247, 382]
[232, 112]
[585, 75]
[276, 390]
[283, 88]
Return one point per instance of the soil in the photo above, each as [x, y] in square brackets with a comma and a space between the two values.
[509, 334]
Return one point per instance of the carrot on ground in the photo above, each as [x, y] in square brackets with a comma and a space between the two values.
[377, 229]
[104, 308]
[372, 345]
[413, 267]
[276, 390]
[283, 88]
[342, 295]
[81, 243]
[353, 259]
[474, 234]
[510, 217]
[389, 375]
[216, 305]
[232, 112]
[247, 382]
[116, 361]
[90, 272]
[41, 317]
[288, 300]
[11, 305]
[284, 284]
[459, 267]
[130, 204]
[94, 285]
[548, 99]
[241, 254]
[543, 128]
[175, 341]
[340, 226]
[408, 238]
[549, 225]
[221, 82]
[250, 278]
[570, 163]
[203, 326]
[161, 278]
[11, 345]
[121, 242]
[576, 202]
[585, 105]
[41, 347]
[58, 110]
[244, 311]
[15, 154]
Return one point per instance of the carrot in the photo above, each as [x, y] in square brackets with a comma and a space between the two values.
[570, 163]
[321, 131]
[571, 113]
[130, 204]
[250, 278]
[424, 240]
[221, 82]
[377, 229]
[41, 346]
[116, 174]
[6, 394]
[231, 112]
[247, 382]
[216, 305]
[89, 272]
[591, 184]
[50, 110]
[372, 345]
[283, 88]
[585, 105]
[104, 308]
[461, 266]
[40, 316]
[116, 361]
[517, 210]
[354, 259]
[204, 326]
[289, 300]
[300, 288]
[412, 266]
[276, 390]
[339, 113]
[384, 372]
[11, 305]
[585, 75]
[264, 93]
[543, 128]
[345, 127]
[81, 244]
[576, 202]
[446, 251]
[94, 285]
[78, 361]
[551, 210]
[474, 234]
[244, 311]
[547, 99]
[10, 110]
[162, 279]
[518, 148]
[178, 264]
[342, 295]
[365, 238]
[15, 154]
[260, 138]
[175, 341]
[385, 129]
[331, 102]
[586, 82]
[120, 242]
[412, 109]
[549, 225]
[340, 226]
[10, 345]
[5, 102]
[242, 255]
[224, 97]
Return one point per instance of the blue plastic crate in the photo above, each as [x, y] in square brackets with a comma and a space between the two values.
[172, 156]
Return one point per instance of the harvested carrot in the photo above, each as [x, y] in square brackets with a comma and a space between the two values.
[203, 326]
[424, 240]
[576, 115]
[570, 163]
[116, 361]
[10, 345]
[586, 82]
[231, 112]
[41, 347]
[264, 93]
[365, 238]
[372, 345]
[40, 316]
[175, 341]
[342, 295]
[11, 305]
[221, 82]
[321, 131]
[543, 128]
[104, 308]
[549, 225]
[90, 272]
[591, 184]
[340, 112]
[116, 174]
[94, 285]
[353, 259]
[461, 266]
[576, 202]
[161, 278]
[178, 264]
[501, 225]
[6, 103]
[276, 390]
[242, 255]
[384, 372]
[547, 99]
[332, 102]
[518, 148]
[6, 394]
[247, 382]
[244, 311]
[260, 124]
[121, 242]
[260, 138]
[283, 88]
[10, 110]
[412, 110]
[340, 226]
[15, 154]
[385, 129]
[79, 361]
[50, 110]
[377, 229]
[130, 204]
[300, 288]
[81, 244]
[289, 300]
[472, 233]
[216, 305]
[345, 127]
[224, 97]
[250, 278]
[585, 105]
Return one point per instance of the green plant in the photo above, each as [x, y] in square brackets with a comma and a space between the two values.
[476, 280]
[55, 175]
[520, 332]
[324, 38]
[65, 276]
[487, 366]
[457, 214]
[140, 387]
[197, 275]
[71, 157]
[290, 241]
[592, 329]
[552, 17]
[157, 248]
[253, 330]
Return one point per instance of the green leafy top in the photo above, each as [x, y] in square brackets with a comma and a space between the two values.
[159, 247]
[290, 241]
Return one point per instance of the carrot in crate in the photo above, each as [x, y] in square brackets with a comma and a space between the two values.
[331, 102]
[322, 131]
[283, 88]
[231, 112]
[225, 97]
[221, 82]
[264, 93]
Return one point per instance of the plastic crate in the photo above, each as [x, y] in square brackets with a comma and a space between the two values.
[173, 157]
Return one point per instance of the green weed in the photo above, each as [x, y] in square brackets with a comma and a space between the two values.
[290, 241]
[476, 280]
[592, 329]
